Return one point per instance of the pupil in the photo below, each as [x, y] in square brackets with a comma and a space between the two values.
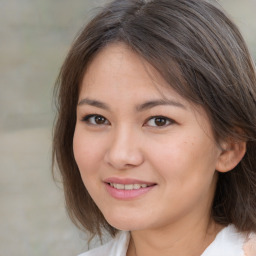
[160, 121]
[99, 120]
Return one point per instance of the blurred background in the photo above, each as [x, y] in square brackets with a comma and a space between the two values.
[35, 36]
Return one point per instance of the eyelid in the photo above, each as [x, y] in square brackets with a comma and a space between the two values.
[169, 120]
[86, 119]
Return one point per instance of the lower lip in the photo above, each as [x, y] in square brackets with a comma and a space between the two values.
[123, 194]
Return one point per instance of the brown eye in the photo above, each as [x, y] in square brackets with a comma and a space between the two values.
[159, 121]
[96, 120]
[100, 120]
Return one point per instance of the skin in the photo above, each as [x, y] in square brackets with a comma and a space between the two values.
[125, 140]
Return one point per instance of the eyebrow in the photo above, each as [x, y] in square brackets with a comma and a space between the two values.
[142, 107]
[94, 103]
[161, 102]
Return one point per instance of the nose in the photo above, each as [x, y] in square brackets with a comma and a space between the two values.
[124, 150]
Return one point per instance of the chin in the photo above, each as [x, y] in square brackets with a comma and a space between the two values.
[125, 223]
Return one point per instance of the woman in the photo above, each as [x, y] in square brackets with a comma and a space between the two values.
[156, 130]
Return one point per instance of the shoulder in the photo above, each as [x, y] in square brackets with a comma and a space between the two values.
[116, 247]
[231, 242]
[250, 245]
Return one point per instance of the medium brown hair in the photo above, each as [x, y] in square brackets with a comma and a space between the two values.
[215, 70]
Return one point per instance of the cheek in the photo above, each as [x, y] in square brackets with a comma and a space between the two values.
[184, 156]
[187, 166]
[87, 154]
[86, 151]
[169, 153]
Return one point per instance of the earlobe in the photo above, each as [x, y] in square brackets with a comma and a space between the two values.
[232, 153]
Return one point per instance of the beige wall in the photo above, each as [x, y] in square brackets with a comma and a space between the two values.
[34, 38]
[243, 13]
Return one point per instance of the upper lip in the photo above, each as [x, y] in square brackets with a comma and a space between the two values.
[127, 181]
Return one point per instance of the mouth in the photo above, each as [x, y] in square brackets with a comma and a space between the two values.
[128, 186]
[127, 189]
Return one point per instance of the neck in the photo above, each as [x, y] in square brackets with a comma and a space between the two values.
[175, 240]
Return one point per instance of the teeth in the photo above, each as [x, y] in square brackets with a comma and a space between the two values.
[137, 186]
[128, 186]
[119, 186]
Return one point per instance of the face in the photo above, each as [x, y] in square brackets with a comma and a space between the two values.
[146, 155]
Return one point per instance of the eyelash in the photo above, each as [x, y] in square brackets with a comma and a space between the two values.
[88, 117]
[166, 121]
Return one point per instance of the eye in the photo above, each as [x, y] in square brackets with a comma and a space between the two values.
[95, 120]
[159, 121]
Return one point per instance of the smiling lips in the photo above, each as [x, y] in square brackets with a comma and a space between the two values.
[128, 186]
[127, 189]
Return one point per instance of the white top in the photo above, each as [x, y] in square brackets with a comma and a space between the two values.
[228, 242]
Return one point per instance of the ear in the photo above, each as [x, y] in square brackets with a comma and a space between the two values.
[231, 154]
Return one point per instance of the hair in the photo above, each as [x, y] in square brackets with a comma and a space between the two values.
[202, 55]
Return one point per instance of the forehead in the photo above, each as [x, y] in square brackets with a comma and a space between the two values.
[117, 66]
[115, 60]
